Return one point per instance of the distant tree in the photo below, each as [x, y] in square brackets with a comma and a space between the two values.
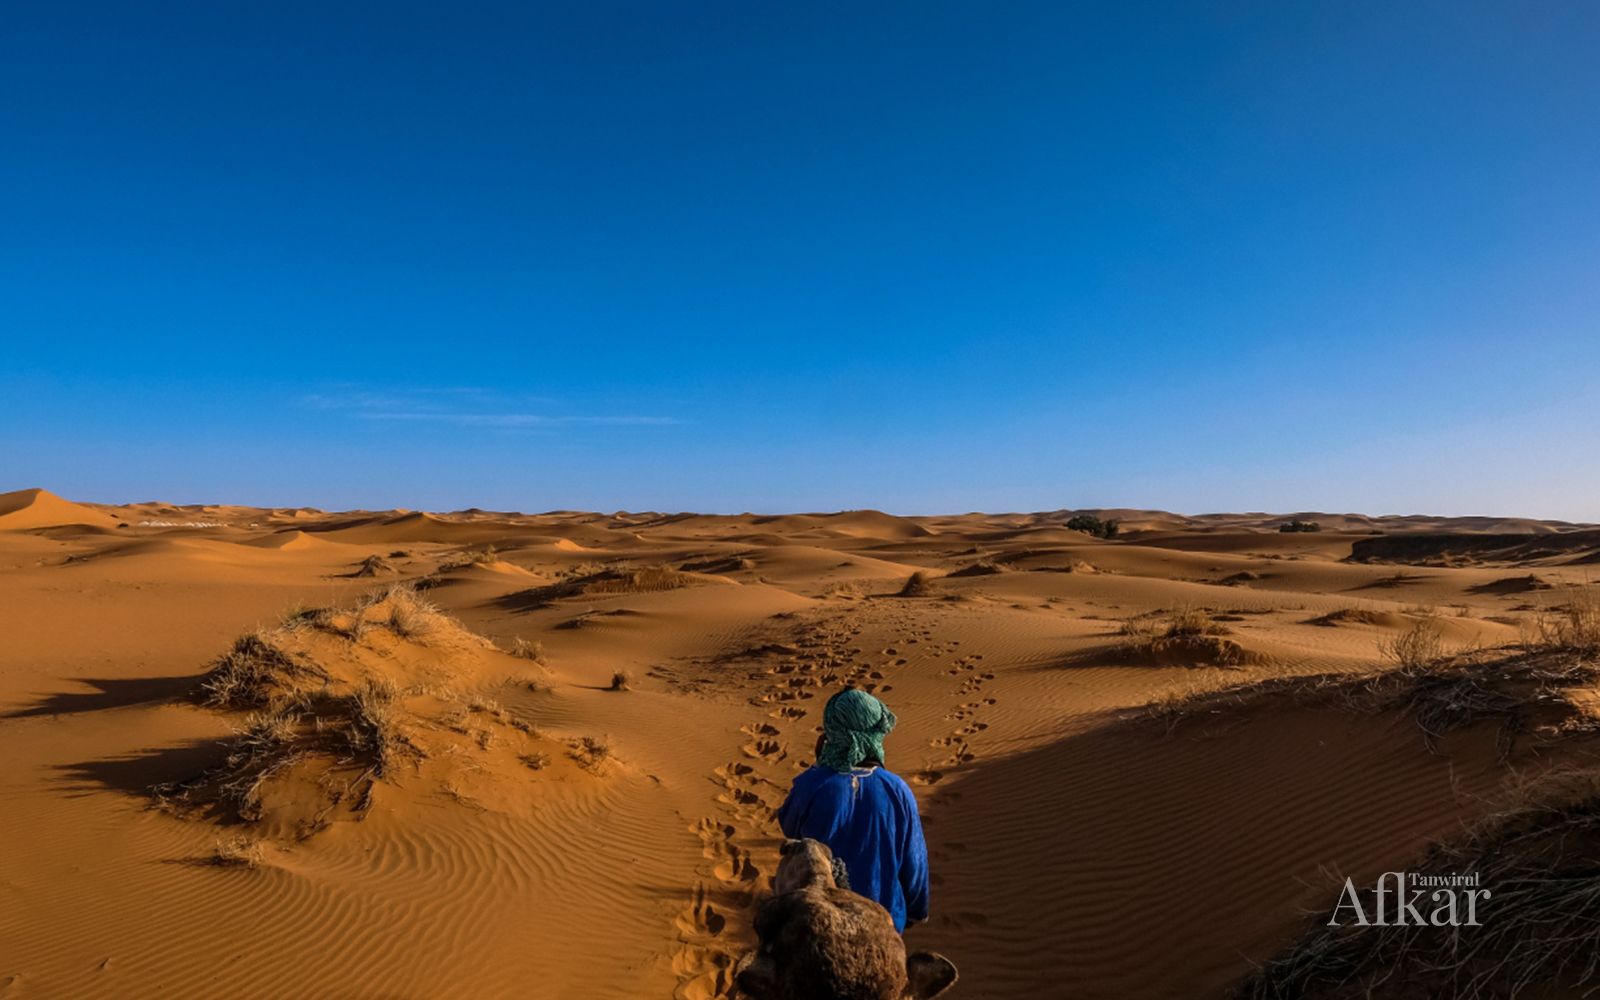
[1091, 525]
[1296, 525]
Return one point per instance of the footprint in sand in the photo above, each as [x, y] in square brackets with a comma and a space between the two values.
[701, 919]
[788, 712]
[707, 973]
[770, 751]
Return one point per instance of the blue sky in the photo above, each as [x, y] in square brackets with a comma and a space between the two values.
[925, 257]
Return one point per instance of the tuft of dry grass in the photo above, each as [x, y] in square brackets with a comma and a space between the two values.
[917, 585]
[1575, 625]
[1417, 648]
[410, 617]
[375, 724]
[237, 852]
[374, 566]
[847, 589]
[621, 680]
[1185, 634]
[256, 671]
[522, 649]
[487, 555]
[595, 753]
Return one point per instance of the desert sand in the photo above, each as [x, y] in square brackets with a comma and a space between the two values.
[538, 755]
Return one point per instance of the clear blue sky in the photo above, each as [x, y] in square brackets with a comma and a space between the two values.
[724, 256]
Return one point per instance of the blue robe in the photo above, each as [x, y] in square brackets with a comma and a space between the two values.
[868, 818]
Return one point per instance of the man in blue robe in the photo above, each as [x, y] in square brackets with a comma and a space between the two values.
[864, 813]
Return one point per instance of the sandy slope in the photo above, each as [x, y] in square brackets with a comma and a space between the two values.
[1079, 848]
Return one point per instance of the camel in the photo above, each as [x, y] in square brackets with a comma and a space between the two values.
[821, 942]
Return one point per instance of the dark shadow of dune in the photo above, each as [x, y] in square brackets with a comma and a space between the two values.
[1124, 863]
[110, 693]
[1511, 585]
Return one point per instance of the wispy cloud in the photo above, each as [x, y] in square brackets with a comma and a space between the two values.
[520, 419]
[464, 406]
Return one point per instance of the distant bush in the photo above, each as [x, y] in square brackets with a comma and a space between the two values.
[1300, 526]
[1091, 525]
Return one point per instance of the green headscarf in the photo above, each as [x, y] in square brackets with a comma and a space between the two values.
[855, 724]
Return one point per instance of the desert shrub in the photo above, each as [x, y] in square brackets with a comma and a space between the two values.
[256, 671]
[410, 617]
[236, 852]
[1091, 525]
[522, 649]
[374, 723]
[594, 752]
[1298, 525]
[1415, 649]
[469, 557]
[1575, 625]
[299, 615]
[374, 566]
[917, 585]
[621, 680]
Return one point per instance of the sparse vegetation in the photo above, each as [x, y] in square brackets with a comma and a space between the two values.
[374, 566]
[1575, 625]
[848, 589]
[522, 649]
[1537, 856]
[917, 585]
[1295, 525]
[621, 680]
[1187, 635]
[1091, 525]
[1415, 649]
[256, 671]
[487, 555]
[595, 753]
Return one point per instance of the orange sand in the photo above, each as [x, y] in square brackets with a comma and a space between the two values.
[1078, 849]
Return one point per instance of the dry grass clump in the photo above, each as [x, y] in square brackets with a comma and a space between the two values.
[410, 617]
[1574, 625]
[1187, 635]
[256, 671]
[358, 733]
[1415, 649]
[522, 649]
[847, 589]
[1353, 616]
[621, 680]
[917, 585]
[1539, 931]
[637, 581]
[375, 724]
[235, 852]
[374, 566]
[300, 615]
[595, 753]
[471, 557]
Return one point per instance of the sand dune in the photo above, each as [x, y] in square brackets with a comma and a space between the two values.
[27, 509]
[485, 754]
